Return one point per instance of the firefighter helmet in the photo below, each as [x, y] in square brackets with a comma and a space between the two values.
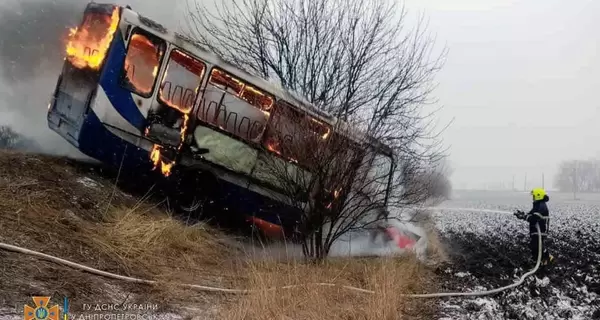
[538, 194]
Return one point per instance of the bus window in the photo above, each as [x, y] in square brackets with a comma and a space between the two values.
[142, 62]
[226, 82]
[293, 134]
[235, 106]
[238, 88]
[257, 98]
[181, 81]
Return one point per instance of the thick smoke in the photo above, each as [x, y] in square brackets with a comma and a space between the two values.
[32, 35]
[32, 40]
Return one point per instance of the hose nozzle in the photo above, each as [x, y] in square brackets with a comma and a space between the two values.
[519, 214]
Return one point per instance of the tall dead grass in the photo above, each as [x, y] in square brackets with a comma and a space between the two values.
[168, 250]
[387, 277]
[148, 239]
[43, 207]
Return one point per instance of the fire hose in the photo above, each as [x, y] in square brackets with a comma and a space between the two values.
[91, 270]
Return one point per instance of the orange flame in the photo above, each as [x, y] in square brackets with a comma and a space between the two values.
[326, 134]
[155, 155]
[184, 126]
[87, 46]
[273, 146]
[336, 194]
[165, 167]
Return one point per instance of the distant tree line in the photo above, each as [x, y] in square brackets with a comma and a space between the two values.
[578, 176]
[428, 184]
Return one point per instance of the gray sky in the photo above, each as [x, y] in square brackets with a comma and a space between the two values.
[519, 81]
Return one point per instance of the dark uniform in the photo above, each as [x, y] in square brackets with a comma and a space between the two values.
[538, 215]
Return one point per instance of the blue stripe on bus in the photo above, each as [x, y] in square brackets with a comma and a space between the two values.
[98, 142]
[119, 97]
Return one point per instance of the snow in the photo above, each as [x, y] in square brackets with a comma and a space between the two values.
[88, 182]
[489, 248]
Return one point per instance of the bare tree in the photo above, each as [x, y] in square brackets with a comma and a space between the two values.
[430, 184]
[578, 176]
[335, 178]
[357, 60]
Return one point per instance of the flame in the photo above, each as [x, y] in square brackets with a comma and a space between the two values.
[142, 63]
[87, 46]
[155, 155]
[336, 194]
[264, 105]
[326, 135]
[165, 167]
[184, 126]
[273, 146]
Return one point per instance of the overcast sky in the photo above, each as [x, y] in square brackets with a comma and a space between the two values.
[519, 82]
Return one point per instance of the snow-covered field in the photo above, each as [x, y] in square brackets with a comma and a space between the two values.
[490, 249]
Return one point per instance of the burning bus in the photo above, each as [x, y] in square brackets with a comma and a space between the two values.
[133, 94]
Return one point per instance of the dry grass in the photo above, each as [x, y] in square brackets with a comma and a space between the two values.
[45, 208]
[387, 277]
[158, 244]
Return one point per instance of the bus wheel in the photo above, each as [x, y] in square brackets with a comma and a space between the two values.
[192, 194]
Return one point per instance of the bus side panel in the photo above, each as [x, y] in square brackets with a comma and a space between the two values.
[115, 107]
[120, 98]
[100, 143]
[243, 203]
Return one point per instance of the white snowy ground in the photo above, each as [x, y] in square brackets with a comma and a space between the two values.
[490, 250]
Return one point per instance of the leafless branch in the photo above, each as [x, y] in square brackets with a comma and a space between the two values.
[357, 60]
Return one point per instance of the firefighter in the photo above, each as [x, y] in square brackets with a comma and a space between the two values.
[539, 214]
